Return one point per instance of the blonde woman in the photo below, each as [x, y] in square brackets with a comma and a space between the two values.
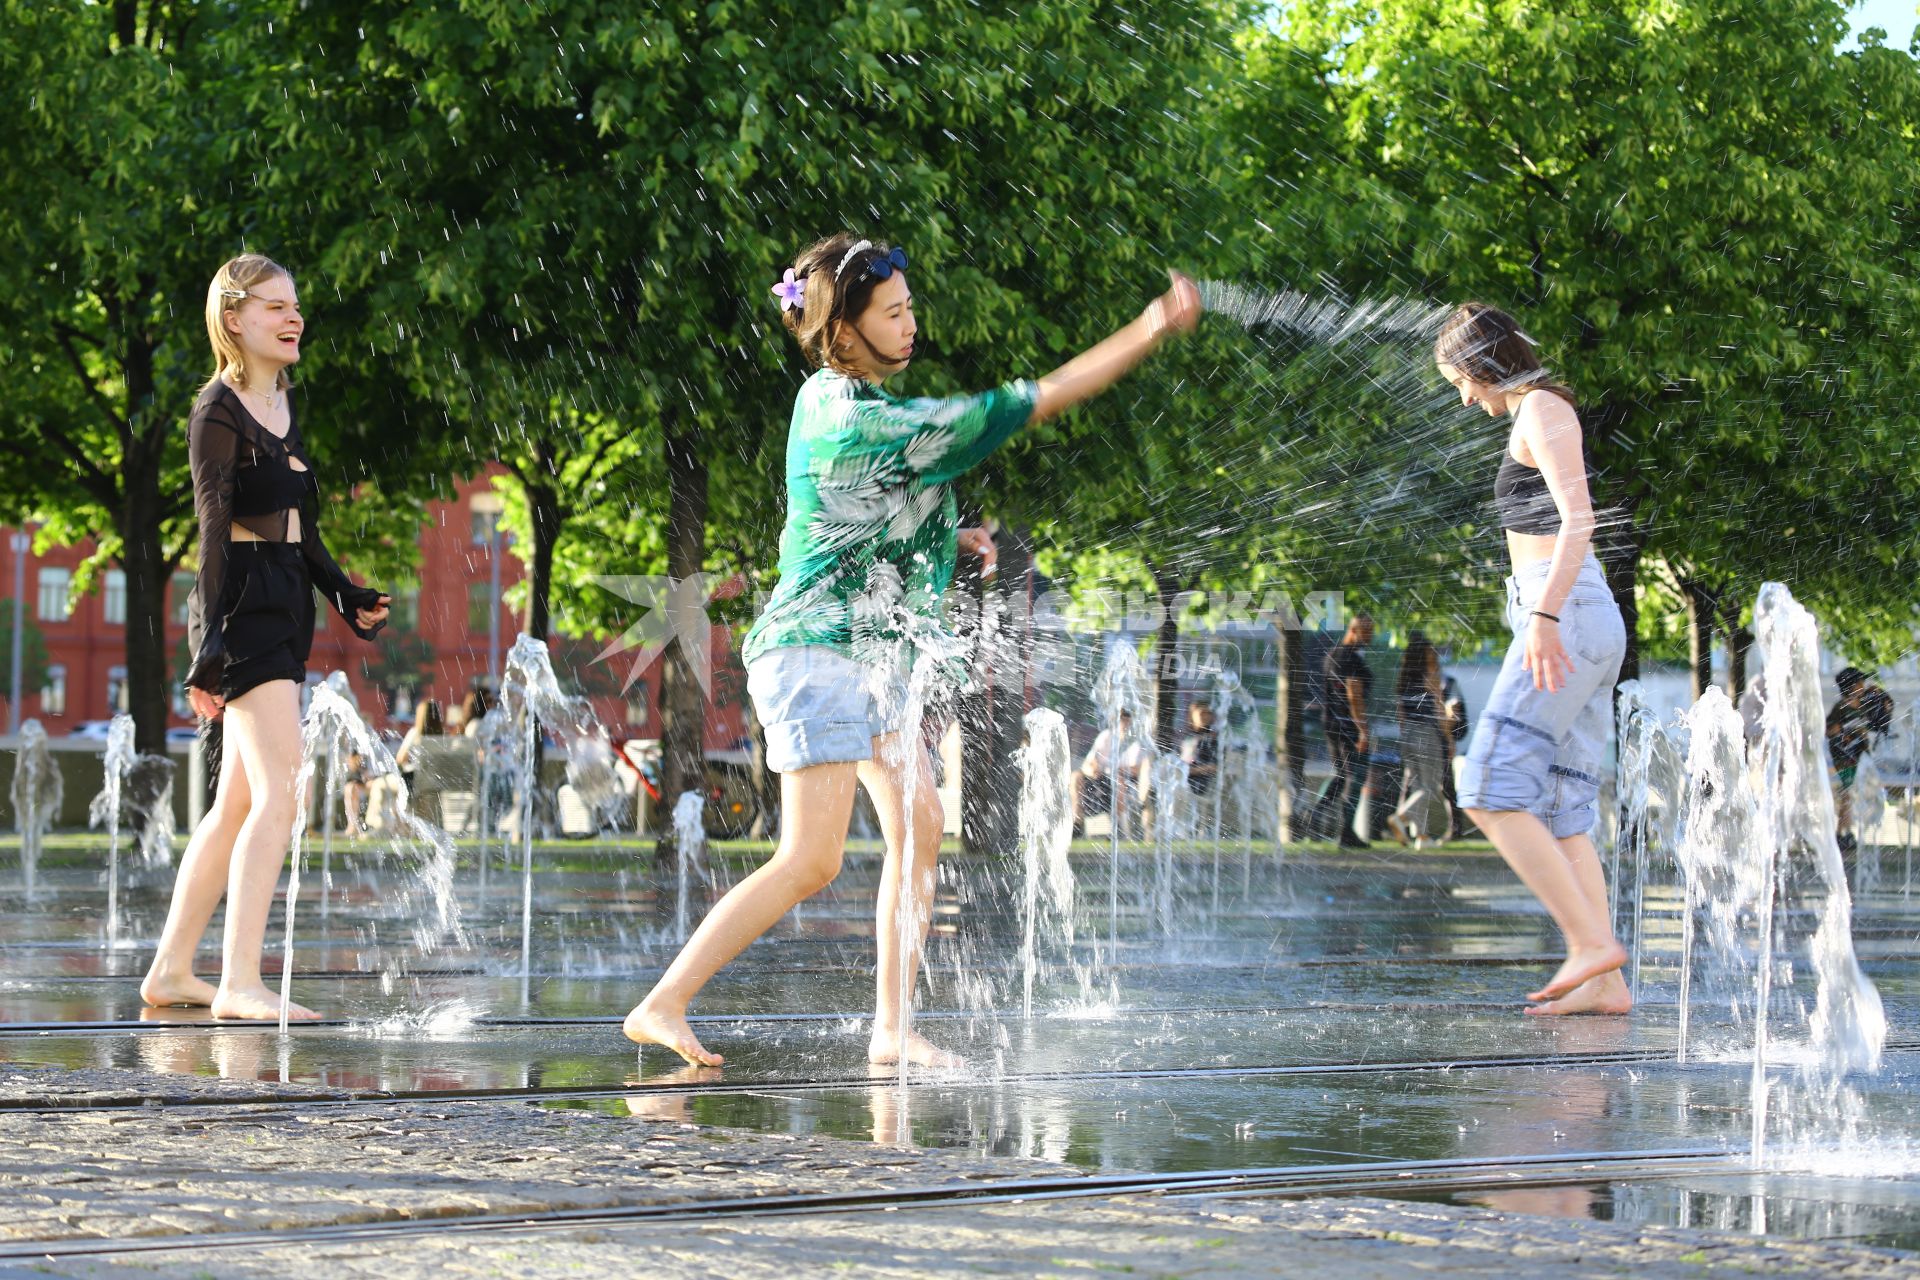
[250, 629]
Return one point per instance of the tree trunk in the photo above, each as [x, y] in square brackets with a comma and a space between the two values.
[1166, 661]
[1289, 719]
[1620, 557]
[1703, 612]
[980, 795]
[683, 758]
[143, 560]
[1739, 641]
[994, 721]
[546, 514]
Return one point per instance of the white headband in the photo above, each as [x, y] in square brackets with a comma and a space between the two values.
[864, 244]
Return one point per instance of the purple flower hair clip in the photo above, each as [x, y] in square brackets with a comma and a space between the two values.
[792, 291]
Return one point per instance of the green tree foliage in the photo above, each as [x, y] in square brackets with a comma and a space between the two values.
[1720, 263]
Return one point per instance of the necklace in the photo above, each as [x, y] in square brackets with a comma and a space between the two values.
[272, 402]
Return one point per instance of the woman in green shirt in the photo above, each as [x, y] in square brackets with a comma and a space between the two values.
[866, 554]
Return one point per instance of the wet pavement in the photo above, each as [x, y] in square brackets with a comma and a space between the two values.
[1298, 1013]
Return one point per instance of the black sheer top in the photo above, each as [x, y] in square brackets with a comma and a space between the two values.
[242, 475]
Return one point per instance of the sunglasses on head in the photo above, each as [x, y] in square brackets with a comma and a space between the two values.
[881, 268]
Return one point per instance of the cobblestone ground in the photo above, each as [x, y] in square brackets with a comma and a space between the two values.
[238, 1165]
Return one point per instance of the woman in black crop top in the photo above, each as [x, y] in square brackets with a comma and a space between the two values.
[250, 629]
[1531, 773]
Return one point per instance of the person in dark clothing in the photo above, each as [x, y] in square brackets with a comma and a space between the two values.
[1861, 717]
[1200, 748]
[1345, 685]
[1457, 726]
[250, 627]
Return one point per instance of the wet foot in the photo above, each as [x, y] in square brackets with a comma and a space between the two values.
[258, 1004]
[168, 990]
[1582, 966]
[1604, 994]
[884, 1051]
[670, 1030]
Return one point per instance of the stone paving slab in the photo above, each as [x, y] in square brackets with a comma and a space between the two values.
[1351, 1239]
[238, 1166]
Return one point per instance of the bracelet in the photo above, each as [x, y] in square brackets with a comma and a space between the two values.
[1541, 613]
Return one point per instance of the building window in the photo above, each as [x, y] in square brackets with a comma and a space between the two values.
[480, 605]
[114, 603]
[53, 695]
[53, 595]
[406, 609]
[485, 509]
[638, 706]
[182, 597]
[116, 690]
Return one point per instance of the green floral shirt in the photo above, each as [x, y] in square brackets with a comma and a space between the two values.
[872, 528]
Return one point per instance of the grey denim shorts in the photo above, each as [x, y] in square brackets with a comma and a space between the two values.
[1538, 752]
[818, 706]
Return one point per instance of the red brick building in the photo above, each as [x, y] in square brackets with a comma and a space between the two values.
[443, 620]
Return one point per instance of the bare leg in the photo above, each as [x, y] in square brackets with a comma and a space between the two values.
[1607, 993]
[905, 907]
[1536, 857]
[355, 795]
[815, 804]
[196, 892]
[263, 729]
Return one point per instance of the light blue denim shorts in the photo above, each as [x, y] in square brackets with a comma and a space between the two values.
[1538, 752]
[818, 706]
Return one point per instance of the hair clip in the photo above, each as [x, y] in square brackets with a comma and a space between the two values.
[792, 291]
[851, 254]
[233, 293]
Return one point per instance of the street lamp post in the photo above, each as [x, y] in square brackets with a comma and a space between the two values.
[493, 599]
[21, 544]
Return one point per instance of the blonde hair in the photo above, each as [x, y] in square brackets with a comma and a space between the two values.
[228, 289]
[837, 289]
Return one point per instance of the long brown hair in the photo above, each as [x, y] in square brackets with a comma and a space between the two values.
[1417, 661]
[1487, 345]
[838, 288]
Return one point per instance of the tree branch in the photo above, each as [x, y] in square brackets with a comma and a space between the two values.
[98, 484]
[87, 384]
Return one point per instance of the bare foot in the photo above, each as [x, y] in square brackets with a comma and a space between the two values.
[651, 1026]
[165, 990]
[1580, 967]
[259, 1004]
[1604, 994]
[884, 1051]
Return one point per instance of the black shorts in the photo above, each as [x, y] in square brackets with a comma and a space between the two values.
[268, 604]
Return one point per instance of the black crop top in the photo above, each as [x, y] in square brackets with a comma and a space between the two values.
[1521, 496]
[241, 475]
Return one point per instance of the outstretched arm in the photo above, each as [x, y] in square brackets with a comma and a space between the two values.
[1106, 362]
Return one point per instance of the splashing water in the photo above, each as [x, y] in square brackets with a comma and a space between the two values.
[532, 698]
[1119, 693]
[117, 764]
[333, 726]
[1046, 835]
[37, 793]
[446, 1020]
[1800, 855]
[690, 843]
